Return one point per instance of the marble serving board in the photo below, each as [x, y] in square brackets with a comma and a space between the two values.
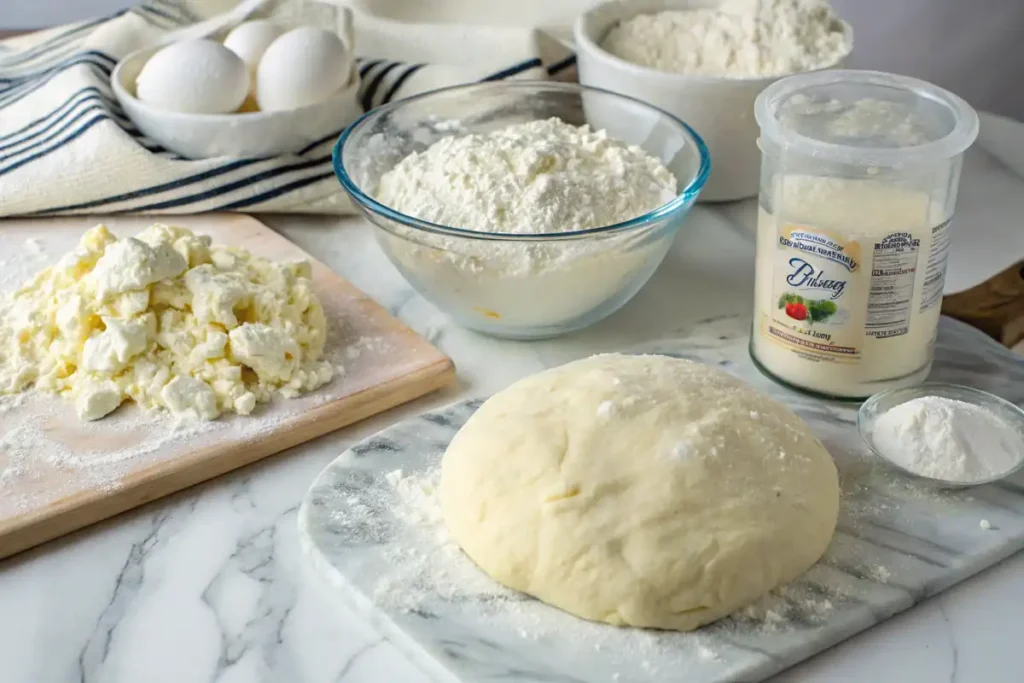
[896, 544]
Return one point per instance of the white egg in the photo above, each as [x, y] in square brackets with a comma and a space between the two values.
[302, 67]
[195, 77]
[250, 40]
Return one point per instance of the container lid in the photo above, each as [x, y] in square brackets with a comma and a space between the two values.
[865, 118]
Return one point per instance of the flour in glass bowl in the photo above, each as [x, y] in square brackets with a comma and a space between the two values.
[539, 177]
[532, 179]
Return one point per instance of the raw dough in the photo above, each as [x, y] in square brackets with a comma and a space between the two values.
[639, 490]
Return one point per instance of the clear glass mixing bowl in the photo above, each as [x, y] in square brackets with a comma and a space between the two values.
[520, 286]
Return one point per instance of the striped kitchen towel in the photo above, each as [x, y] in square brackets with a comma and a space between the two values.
[66, 147]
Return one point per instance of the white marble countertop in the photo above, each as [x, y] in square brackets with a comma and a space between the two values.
[209, 584]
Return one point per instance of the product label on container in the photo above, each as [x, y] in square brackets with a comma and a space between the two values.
[818, 289]
[935, 271]
[832, 291]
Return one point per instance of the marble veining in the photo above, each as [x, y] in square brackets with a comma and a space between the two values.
[897, 543]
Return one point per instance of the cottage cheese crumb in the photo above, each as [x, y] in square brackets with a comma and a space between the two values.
[167, 320]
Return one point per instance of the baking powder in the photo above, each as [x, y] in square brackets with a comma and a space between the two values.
[947, 439]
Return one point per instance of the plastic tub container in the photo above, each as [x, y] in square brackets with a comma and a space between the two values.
[720, 108]
[859, 178]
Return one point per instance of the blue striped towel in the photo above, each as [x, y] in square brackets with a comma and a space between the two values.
[66, 147]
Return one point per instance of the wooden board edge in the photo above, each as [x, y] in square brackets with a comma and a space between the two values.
[163, 479]
[996, 306]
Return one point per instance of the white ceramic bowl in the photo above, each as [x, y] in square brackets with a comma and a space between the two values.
[720, 108]
[247, 135]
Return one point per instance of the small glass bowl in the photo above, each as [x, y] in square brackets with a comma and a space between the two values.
[879, 403]
[512, 285]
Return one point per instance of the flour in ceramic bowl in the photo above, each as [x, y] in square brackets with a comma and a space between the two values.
[42, 461]
[528, 180]
[738, 38]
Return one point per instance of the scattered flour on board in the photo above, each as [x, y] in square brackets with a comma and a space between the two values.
[37, 466]
[11, 402]
[32, 449]
[879, 573]
[362, 345]
[786, 606]
[428, 568]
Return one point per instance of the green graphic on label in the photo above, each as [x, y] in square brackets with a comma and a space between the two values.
[817, 286]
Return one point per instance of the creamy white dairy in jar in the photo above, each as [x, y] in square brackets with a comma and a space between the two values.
[859, 177]
[849, 284]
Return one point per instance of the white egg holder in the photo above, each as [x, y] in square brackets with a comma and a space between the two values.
[248, 134]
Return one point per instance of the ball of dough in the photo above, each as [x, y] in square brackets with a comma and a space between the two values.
[639, 490]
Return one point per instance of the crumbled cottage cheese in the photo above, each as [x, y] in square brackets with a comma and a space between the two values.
[166, 320]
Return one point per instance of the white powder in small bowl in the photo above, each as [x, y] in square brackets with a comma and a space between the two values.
[947, 439]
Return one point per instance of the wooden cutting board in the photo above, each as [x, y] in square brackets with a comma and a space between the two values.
[58, 474]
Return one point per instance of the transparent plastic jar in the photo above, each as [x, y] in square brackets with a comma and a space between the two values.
[859, 177]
